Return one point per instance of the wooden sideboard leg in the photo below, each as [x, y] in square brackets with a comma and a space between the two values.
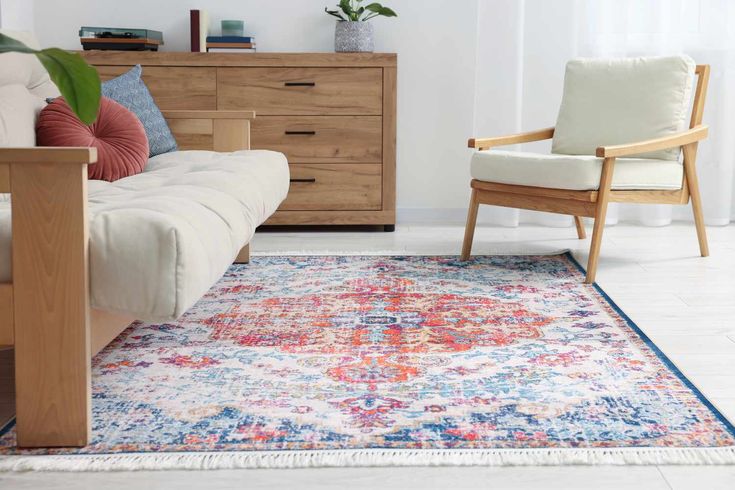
[51, 303]
[244, 256]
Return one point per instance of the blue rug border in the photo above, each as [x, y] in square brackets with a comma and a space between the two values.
[729, 426]
[659, 353]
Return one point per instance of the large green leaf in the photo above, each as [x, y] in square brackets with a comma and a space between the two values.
[78, 82]
[380, 10]
[8, 44]
[346, 7]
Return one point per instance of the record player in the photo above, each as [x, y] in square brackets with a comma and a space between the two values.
[120, 39]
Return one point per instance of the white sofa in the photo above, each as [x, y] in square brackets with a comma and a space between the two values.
[90, 257]
[160, 239]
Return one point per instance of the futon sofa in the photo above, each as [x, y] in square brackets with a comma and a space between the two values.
[83, 259]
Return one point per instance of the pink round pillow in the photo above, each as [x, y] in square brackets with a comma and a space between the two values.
[118, 135]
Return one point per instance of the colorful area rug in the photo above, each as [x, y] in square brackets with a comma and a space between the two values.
[339, 361]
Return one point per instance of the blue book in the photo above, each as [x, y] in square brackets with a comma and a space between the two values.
[230, 39]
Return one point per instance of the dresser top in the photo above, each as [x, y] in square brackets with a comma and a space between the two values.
[163, 58]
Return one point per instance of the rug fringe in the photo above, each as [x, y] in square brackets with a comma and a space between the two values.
[393, 253]
[370, 457]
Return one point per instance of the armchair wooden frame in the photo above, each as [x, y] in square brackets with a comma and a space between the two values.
[594, 204]
[45, 311]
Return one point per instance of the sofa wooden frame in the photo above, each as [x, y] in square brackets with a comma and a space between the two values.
[45, 311]
[594, 204]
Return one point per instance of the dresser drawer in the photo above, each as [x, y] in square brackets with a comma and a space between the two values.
[334, 187]
[301, 91]
[321, 139]
[175, 87]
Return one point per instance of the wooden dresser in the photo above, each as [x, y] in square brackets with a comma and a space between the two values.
[332, 114]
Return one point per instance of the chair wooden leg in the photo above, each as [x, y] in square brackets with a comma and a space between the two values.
[469, 231]
[693, 184]
[603, 199]
[581, 233]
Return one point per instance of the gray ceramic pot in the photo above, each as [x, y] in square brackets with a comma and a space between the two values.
[354, 37]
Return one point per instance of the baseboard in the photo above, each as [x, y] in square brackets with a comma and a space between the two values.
[490, 216]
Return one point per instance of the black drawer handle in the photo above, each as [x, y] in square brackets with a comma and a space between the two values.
[300, 84]
[303, 133]
[303, 181]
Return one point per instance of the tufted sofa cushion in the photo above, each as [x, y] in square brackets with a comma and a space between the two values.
[160, 239]
[24, 87]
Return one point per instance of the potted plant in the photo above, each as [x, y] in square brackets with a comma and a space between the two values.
[353, 33]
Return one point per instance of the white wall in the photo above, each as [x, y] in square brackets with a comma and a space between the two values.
[466, 68]
[16, 15]
[435, 41]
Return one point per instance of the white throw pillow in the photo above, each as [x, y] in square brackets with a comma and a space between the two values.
[617, 101]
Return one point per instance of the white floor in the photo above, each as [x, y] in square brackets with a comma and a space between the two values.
[686, 304]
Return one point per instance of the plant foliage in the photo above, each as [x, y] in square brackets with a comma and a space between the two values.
[354, 11]
[78, 82]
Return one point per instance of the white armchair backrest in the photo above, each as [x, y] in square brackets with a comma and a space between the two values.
[617, 101]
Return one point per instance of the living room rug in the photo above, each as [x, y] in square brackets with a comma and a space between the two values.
[307, 361]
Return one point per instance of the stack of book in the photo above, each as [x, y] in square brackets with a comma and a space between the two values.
[230, 44]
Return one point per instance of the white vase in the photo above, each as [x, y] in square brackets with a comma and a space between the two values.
[353, 37]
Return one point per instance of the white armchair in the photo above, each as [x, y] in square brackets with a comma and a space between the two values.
[620, 132]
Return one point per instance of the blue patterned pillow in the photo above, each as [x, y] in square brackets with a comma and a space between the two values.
[129, 90]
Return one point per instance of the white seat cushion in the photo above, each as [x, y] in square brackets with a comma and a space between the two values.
[573, 172]
[616, 101]
[159, 240]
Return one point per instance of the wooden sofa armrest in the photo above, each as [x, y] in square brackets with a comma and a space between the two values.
[184, 114]
[687, 137]
[41, 154]
[49, 293]
[48, 154]
[513, 139]
[223, 131]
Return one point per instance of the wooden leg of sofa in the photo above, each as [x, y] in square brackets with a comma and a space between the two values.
[469, 231]
[244, 256]
[581, 233]
[690, 152]
[51, 304]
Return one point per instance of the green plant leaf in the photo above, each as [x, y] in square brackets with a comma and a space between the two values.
[78, 82]
[380, 10]
[346, 7]
[8, 45]
[334, 13]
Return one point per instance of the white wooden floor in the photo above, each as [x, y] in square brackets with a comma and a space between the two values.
[686, 304]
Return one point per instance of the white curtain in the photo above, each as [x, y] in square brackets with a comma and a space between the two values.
[546, 34]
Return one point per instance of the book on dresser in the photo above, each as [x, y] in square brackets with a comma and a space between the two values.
[230, 44]
[332, 114]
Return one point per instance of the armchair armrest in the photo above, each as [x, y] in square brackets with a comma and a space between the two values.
[513, 139]
[687, 137]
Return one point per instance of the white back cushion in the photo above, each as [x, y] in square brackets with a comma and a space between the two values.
[24, 86]
[617, 101]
